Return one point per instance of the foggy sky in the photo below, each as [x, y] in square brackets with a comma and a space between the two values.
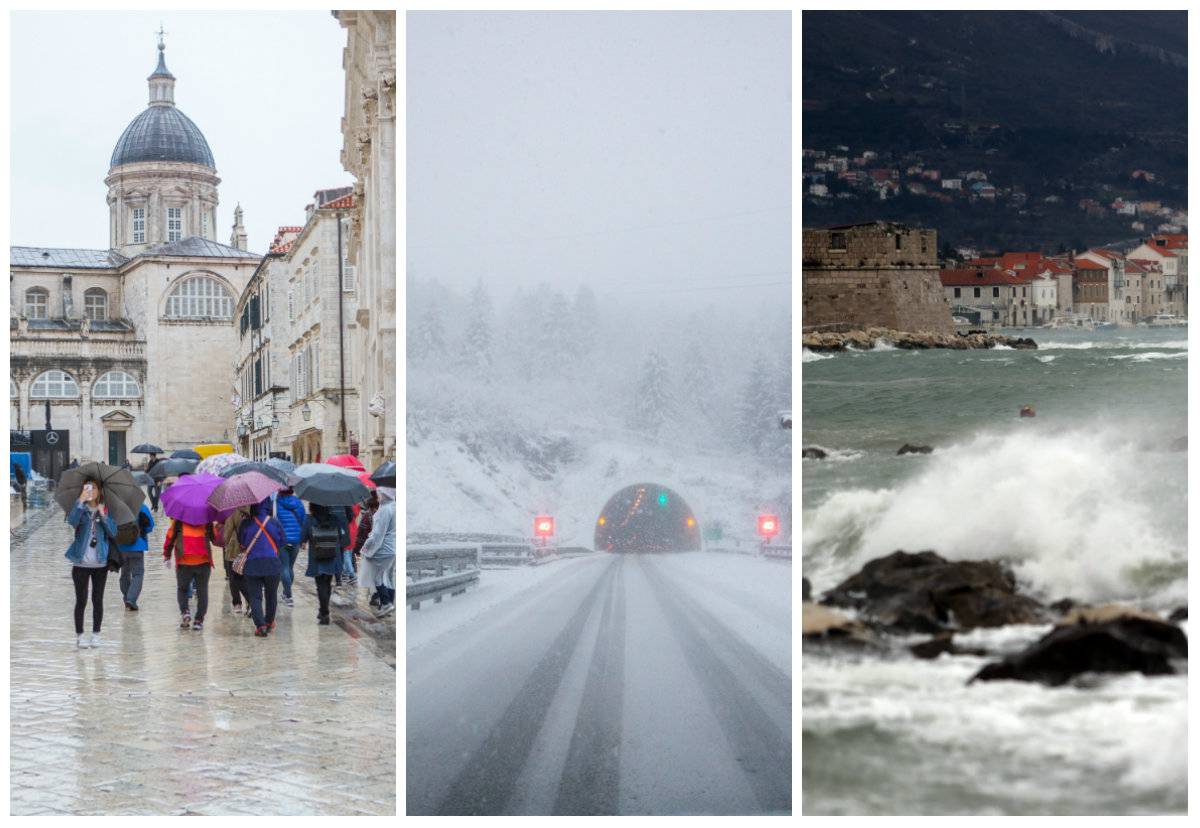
[266, 90]
[636, 151]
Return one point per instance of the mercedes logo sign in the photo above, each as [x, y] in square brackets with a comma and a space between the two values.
[51, 438]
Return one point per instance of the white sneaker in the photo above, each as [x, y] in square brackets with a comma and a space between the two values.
[386, 609]
[95, 640]
[84, 641]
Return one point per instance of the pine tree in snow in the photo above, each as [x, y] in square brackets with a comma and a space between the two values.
[476, 351]
[653, 402]
[758, 407]
[428, 340]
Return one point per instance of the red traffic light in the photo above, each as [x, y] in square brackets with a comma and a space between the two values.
[768, 526]
[543, 526]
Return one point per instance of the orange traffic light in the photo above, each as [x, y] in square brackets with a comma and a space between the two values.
[603, 520]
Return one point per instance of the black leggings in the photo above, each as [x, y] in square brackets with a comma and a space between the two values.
[324, 588]
[98, 575]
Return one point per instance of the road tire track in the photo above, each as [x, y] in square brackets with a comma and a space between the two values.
[715, 656]
[487, 782]
[592, 774]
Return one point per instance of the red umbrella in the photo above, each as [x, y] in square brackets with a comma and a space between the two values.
[365, 477]
[348, 461]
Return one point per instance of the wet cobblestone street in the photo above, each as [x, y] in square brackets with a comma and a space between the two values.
[164, 720]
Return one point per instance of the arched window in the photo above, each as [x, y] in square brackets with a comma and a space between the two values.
[95, 304]
[54, 385]
[200, 297]
[116, 385]
[37, 303]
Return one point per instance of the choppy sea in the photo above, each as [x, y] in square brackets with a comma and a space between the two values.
[1087, 500]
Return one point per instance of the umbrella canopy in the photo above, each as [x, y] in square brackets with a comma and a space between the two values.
[142, 479]
[246, 489]
[309, 469]
[214, 464]
[385, 475]
[281, 464]
[172, 468]
[145, 448]
[366, 480]
[121, 493]
[207, 450]
[187, 500]
[261, 468]
[346, 461]
[331, 488]
[185, 454]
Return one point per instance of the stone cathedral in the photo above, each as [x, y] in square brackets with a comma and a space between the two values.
[111, 348]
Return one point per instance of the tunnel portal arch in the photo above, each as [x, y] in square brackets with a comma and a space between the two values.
[647, 517]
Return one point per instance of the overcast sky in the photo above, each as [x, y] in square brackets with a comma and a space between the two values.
[267, 91]
[636, 151]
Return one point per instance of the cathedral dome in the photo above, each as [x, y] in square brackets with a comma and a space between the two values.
[162, 133]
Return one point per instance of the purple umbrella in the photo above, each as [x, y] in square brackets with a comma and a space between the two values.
[245, 489]
[187, 500]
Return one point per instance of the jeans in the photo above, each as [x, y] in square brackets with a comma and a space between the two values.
[132, 571]
[255, 586]
[155, 492]
[235, 584]
[287, 574]
[347, 564]
[184, 573]
[97, 576]
[324, 589]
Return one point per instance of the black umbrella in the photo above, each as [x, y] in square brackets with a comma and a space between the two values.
[331, 489]
[270, 471]
[142, 479]
[122, 495]
[145, 448]
[385, 475]
[186, 454]
[172, 468]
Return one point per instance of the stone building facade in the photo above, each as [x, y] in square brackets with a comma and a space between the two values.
[369, 153]
[877, 274]
[134, 343]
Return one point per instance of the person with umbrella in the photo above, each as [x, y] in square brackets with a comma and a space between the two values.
[377, 569]
[95, 534]
[190, 540]
[289, 511]
[326, 534]
[133, 559]
[228, 540]
[261, 538]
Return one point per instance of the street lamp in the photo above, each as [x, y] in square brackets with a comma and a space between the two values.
[306, 412]
[275, 421]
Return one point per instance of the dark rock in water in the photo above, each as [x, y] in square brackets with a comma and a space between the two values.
[908, 448]
[1022, 344]
[923, 592]
[1179, 444]
[813, 453]
[943, 643]
[1180, 614]
[1062, 607]
[806, 589]
[1110, 643]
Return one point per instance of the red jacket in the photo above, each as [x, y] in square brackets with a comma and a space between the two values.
[191, 546]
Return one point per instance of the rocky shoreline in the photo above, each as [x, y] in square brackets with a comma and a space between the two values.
[906, 593]
[833, 341]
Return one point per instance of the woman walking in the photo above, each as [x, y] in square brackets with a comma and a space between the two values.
[327, 535]
[228, 540]
[364, 530]
[289, 511]
[261, 538]
[95, 534]
[133, 559]
[191, 546]
[378, 566]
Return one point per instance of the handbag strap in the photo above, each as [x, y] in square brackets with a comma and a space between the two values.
[261, 528]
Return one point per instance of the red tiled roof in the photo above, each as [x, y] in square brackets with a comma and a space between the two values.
[1148, 264]
[1085, 264]
[976, 276]
[1174, 241]
[343, 203]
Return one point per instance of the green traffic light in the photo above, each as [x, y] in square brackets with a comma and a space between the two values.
[662, 498]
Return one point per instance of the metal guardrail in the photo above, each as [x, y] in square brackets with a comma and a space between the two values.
[756, 550]
[439, 569]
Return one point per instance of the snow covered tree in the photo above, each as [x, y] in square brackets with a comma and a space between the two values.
[427, 338]
[585, 323]
[758, 408]
[476, 350]
[653, 402]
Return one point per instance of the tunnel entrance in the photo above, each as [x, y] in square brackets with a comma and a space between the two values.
[647, 517]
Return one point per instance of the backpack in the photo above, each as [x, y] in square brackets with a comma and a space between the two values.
[143, 522]
[325, 542]
[128, 533]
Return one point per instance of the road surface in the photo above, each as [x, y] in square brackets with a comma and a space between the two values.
[624, 684]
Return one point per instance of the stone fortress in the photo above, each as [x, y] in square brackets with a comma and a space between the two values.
[878, 274]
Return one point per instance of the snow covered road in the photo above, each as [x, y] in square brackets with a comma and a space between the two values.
[605, 684]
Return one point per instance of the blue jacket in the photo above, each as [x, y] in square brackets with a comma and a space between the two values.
[140, 545]
[289, 511]
[262, 555]
[335, 517]
[106, 533]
